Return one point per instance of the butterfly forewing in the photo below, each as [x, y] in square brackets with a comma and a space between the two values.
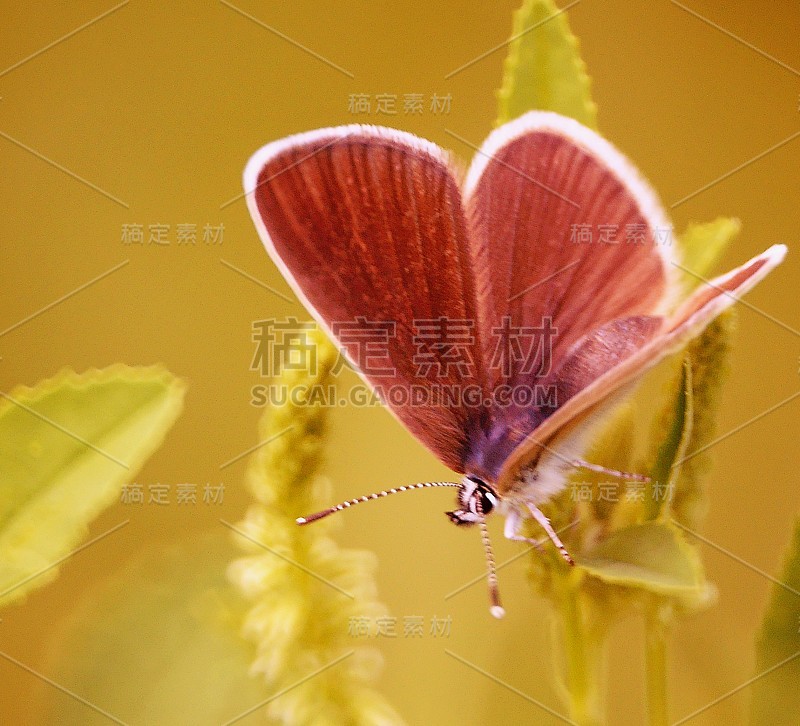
[566, 238]
[368, 227]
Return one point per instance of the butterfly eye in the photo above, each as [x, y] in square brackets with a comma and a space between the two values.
[488, 501]
[481, 499]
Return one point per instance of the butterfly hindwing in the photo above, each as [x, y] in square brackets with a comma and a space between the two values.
[675, 331]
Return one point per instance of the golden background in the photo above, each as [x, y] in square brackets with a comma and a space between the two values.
[160, 105]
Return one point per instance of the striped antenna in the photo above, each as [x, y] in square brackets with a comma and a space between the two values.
[496, 608]
[377, 495]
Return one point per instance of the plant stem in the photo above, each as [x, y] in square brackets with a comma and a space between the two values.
[656, 668]
[583, 650]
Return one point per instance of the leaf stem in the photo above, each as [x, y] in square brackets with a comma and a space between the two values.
[656, 668]
[583, 651]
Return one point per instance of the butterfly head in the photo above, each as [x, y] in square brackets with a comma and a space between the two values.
[476, 499]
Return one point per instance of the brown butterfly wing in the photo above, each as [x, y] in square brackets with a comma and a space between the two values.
[535, 189]
[586, 395]
[367, 226]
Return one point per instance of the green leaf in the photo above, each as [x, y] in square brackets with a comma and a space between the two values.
[709, 355]
[776, 695]
[702, 244]
[157, 643]
[652, 556]
[543, 69]
[66, 447]
[671, 439]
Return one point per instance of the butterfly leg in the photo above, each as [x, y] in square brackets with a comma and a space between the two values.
[538, 515]
[512, 529]
[581, 464]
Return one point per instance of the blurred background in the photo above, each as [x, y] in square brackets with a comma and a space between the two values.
[145, 119]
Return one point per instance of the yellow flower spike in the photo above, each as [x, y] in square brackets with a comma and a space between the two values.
[305, 591]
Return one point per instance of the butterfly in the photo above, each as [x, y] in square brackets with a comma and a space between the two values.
[542, 273]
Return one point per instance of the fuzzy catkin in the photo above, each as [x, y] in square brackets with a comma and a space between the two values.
[305, 591]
